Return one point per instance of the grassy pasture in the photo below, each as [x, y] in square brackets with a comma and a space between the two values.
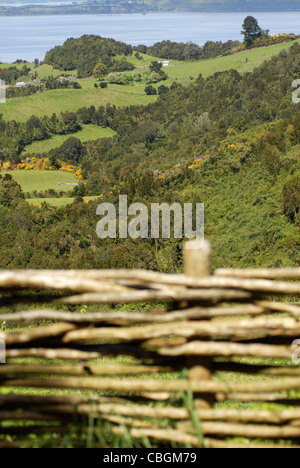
[43, 71]
[56, 201]
[43, 180]
[62, 100]
[88, 133]
[182, 70]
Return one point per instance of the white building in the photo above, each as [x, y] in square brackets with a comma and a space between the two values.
[21, 84]
[165, 63]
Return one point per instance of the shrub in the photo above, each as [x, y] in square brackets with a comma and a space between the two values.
[150, 90]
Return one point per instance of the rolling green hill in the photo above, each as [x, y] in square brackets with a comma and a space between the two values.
[87, 133]
[62, 100]
[229, 138]
[230, 141]
[44, 180]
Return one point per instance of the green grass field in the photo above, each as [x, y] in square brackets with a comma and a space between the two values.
[43, 180]
[62, 100]
[56, 201]
[44, 71]
[182, 71]
[88, 133]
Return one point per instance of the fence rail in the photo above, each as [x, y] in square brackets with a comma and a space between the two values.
[226, 337]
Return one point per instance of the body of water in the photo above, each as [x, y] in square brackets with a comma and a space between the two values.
[29, 37]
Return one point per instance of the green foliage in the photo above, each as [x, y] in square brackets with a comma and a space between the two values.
[84, 54]
[291, 197]
[150, 90]
[229, 141]
[100, 70]
[10, 192]
[15, 136]
[12, 74]
[88, 132]
[251, 30]
[156, 67]
[71, 151]
[62, 100]
[163, 89]
[189, 51]
[42, 181]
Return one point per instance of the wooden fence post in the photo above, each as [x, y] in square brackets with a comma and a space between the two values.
[197, 258]
[197, 264]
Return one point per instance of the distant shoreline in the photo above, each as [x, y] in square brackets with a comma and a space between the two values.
[62, 13]
[55, 8]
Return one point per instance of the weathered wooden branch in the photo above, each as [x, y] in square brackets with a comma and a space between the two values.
[244, 430]
[84, 352]
[213, 296]
[265, 273]
[130, 385]
[242, 328]
[82, 369]
[19, 279]
[130, 296]
[177, 414]
[38, 333]
[283, 307]
[122, 281]
[126, 318]
[224, 349]
[253, 369]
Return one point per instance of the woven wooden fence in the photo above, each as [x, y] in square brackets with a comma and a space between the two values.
[226, 337]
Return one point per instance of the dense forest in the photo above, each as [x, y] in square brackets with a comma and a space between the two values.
[83, 55]
[188, 51]
[230, 141]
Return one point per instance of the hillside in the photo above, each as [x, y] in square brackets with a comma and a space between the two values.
[230, 141]
[84, 53]
[61, 100]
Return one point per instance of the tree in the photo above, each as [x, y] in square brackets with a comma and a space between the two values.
[156, 67]
[163, 89]
[251, 30]
[291, 198]
[150, 90]
[71, 151]
[100, 70]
